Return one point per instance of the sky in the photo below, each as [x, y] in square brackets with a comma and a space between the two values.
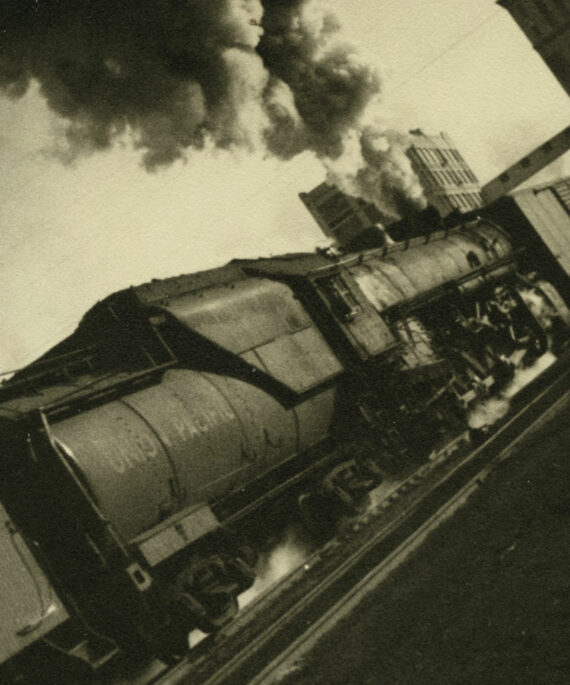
[71, 234]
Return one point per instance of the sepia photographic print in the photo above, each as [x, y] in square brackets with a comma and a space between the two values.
[285, 342]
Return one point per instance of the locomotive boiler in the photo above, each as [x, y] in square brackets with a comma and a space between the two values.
[133, 449]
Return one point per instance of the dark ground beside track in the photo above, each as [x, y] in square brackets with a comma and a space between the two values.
[485, 601]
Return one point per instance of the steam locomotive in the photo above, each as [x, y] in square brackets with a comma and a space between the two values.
[134, 448]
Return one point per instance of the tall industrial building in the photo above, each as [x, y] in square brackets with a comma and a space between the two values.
[546, 24]
[342, 217]
[447, 180]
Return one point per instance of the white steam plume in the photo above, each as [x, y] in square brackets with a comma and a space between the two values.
[488, 412]
[282, 559]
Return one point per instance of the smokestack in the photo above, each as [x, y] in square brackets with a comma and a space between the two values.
[177, 76]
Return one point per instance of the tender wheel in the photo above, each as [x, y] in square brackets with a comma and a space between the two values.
[204, 595]
[208, 615]
[243, 573]
[223, 609]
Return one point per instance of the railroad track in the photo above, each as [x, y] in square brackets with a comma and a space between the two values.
[270, 635]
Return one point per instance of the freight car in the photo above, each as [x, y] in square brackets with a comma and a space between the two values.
[134, 448]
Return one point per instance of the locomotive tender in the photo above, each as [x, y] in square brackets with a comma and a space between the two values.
[133, 448]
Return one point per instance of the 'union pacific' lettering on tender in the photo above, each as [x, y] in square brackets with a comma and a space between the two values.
[184, 428]
[190, 426]
[121, 458]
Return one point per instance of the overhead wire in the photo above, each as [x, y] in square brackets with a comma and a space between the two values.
[447, 49]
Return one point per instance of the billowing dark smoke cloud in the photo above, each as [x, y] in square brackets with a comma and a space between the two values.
[330, 85]
[178, 75]
[173, 72]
